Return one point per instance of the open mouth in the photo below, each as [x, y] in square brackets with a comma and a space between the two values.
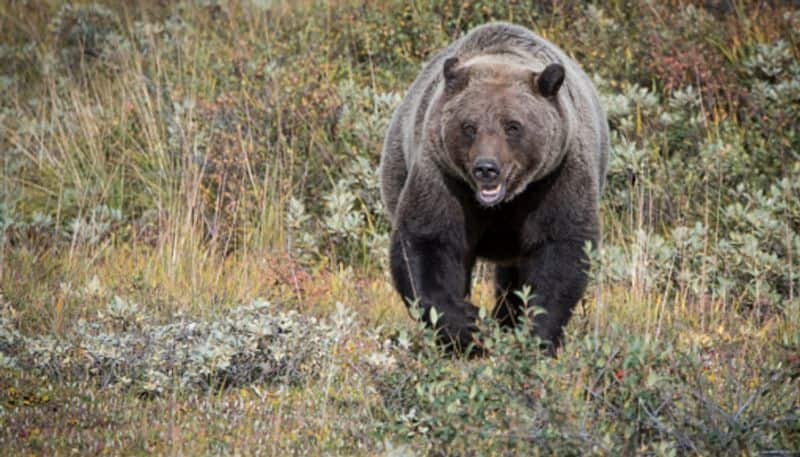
[489, 195]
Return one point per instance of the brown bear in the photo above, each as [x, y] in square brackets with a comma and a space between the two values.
[498, 151]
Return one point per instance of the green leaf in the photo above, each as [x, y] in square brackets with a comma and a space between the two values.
[434, 316]
[652, 379]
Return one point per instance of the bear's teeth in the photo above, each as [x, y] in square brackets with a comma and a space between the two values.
[491, 192]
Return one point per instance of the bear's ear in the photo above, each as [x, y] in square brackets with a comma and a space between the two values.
[455, 78]
[549, 81]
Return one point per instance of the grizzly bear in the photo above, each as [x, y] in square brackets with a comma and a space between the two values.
[497, 152]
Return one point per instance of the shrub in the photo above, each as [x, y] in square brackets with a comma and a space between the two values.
[124, 347]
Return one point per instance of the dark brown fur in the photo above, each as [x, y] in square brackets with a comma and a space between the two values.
[504, 95]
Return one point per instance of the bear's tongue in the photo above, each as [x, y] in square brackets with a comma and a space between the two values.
[489, 195]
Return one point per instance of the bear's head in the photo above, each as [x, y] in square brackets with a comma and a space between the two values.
[501, 127]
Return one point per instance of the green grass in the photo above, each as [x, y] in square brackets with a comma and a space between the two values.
[163, 165]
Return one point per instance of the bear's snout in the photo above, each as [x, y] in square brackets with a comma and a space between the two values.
[485, 170]
[487, 174]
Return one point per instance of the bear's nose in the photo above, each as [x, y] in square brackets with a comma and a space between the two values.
[485, 169]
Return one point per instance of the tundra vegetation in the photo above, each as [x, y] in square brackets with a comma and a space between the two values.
[193, 251]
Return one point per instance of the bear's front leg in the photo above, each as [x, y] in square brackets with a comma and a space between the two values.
[432, 271]
[430, 256]
[558, 273]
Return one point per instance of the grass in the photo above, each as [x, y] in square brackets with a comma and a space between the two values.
[164, 165]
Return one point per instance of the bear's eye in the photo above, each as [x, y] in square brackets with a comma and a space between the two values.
[468, 129]
[513, 128]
